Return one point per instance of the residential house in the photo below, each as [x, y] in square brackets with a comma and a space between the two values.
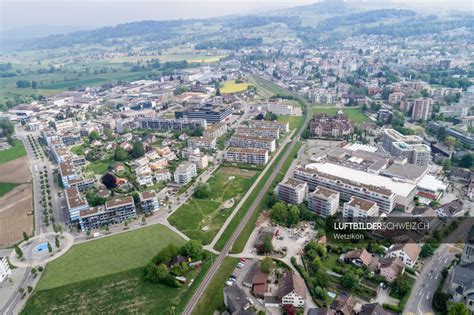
[291, 290]
[390, 268]
[408, 253]
[359, 257]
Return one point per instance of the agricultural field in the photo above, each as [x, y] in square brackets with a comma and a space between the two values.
[16, 171]
[355, 114]
[14, 218]
[230, 87]
[17, 150]
[95, 276]
[202, 218]
[6, 187]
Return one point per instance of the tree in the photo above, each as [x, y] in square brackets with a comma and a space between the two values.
[218, 92]
[466, 160]
[449, 141]
[94, 135]
[266, 265]
[446, 165]
[138, 150]
[30, 288]
[109, 180]
[56, 242]
[203, 190]
[267, 244]
[23, 84]
[401, 286]
[279, 213]
[293, 216]
[50, 248]
[18, 251]
[33, 271]
[156, 273]
[440, 302]
[120, 154]
[349, 280]
[192, 249]
[25, 236]
[458, 309]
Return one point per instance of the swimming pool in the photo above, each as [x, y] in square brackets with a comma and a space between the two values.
[41, 247]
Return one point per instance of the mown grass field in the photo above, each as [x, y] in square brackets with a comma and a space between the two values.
[107, 256]
[107, 274]
[293, 120]
[230, 87]
[355, 114]
[196, 214]
[6, 187]
[17, 150]
[99, 167]
[213, 297]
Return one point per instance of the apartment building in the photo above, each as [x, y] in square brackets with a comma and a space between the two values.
[336, 126]
[292, 191]
[247, 156]
[323, 201]
[212, 113]
[258, 132]
[409, 147]
[82, 184]
[149, 201]
[67, 173]
[357, 209]
[75, 203]
[185, 172]
[115, 211]
[200, 159]
[164, 124]
[207, 143]
[5, 270]
[242, 141]
[386, 192]
[422, 109]
[283, 127]
[216, 130]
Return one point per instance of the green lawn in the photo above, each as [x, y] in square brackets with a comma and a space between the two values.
[99, 167]
[77, 149]
[17, 150]
[125, 292]
[196, 214]
[230, 87]
[107, 256]
[293, 120]
[6, 187]
[355, 114]
[213, 297]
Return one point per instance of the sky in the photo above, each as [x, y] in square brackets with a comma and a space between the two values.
[85, 14]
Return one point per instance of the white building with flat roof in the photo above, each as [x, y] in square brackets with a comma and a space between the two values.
[292, 191]
[358, 209]
[323, 201]
[5, 270]
[185, 172]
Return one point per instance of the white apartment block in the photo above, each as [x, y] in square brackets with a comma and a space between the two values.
[208, 143]
[258, 132]
[200, 159]
[215, 130]
[284, 127]
[292, 191]
[242, 141]
[75, 203]
[247, 156]
[358, 209]
[149, 201]
[409, 147]
[5, 270]
[185, 172]
[67, 173]
[323, 201]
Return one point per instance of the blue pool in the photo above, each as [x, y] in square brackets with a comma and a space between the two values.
[41, 247]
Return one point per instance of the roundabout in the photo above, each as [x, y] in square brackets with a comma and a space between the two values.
[41, 249]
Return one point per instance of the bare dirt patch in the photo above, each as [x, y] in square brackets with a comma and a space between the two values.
[16, 171]
[237, 172]
[14, 219]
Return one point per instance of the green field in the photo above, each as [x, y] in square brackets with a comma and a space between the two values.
[293, 120]
[99, 167]
[197, 214]
[96, 276]
[213, 297]
[16, 151]
[230, 87]
[107, 256]
[355, 114]
[6, 187]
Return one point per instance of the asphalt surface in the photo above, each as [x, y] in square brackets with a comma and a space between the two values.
[215, 266]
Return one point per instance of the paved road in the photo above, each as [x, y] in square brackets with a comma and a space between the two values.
[210, 274]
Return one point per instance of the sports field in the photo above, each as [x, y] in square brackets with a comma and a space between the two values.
[95, 276]
[202, 218]
[230, 87]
